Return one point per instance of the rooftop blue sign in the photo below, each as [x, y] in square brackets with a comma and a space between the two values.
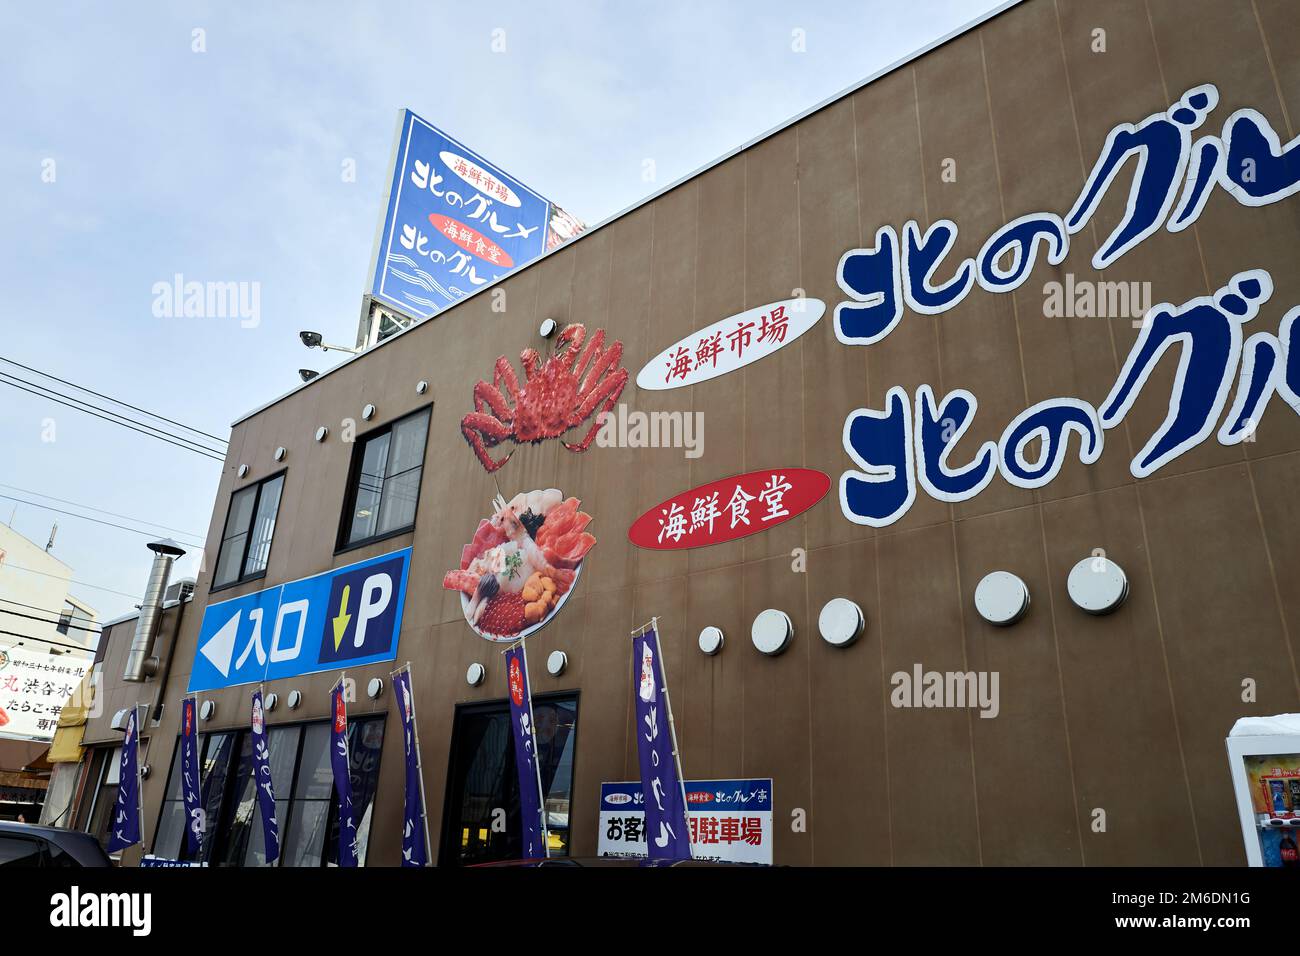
[342, 618]
[453, 222]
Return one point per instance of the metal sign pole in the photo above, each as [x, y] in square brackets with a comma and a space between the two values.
[139, 780]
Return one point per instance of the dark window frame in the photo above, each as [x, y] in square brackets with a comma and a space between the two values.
[260, 485]
[350, 491]
[233, 784]
[445, 854]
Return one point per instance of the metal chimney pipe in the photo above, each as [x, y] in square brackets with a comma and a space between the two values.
[138, 663]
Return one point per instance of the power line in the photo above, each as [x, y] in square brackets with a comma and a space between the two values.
[113, 400]
[80, 584]
[113, 421]
[70, 514]
[67, 624]
[82, 404]
[46, 640]
[113, 514]
[43, 610]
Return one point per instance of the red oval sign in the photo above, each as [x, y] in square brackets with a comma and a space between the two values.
[471, 240]
[729, 509]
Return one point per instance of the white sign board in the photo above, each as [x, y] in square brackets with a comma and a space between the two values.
[34, 686]
[730, 820]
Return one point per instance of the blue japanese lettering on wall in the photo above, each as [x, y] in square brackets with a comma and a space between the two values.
[937, 431]
[1171, 177]
[881, 445]
[871, 277]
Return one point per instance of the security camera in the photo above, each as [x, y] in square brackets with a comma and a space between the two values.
[307, 374]
[310, 339]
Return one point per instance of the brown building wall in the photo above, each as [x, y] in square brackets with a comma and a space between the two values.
[1125, 713]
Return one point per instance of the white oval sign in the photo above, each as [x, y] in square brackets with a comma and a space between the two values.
[481, 179]
[733, 343]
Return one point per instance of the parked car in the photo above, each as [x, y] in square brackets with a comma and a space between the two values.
[614, 861]
[26, 844]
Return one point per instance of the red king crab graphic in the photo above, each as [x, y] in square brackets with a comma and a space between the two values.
[559, 394]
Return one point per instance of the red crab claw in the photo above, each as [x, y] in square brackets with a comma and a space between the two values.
[531, 362]
[490, 395]
[475, 427]
[570, 344]
[604, 361]
[608, 391]
[503, 372]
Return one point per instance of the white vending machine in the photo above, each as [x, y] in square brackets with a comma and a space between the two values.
[1264, 757]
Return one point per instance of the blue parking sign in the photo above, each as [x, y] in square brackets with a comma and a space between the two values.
[348, 616]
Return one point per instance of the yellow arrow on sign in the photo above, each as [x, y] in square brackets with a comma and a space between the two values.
[341, 622]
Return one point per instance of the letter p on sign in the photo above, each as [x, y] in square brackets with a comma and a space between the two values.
[376, 592]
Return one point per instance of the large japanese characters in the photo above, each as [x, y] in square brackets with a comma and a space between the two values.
[522, 564]
[729, 509]
[729, 344]
[909, 442]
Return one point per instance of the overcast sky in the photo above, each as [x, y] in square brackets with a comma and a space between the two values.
[226, 164]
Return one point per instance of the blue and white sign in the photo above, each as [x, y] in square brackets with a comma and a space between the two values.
[342, 618]
[126, 813]
[909, 446]
[158, 862]
[263, 781]
[452, 222]
[665, 810]
[729, 820]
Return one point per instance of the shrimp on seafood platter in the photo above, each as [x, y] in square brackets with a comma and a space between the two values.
[522, 563]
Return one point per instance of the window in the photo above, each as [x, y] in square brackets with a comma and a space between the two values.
[482, 776]
[19, 851]
[214, 767]
[384, 486]
[99, 818]
[306, 805]
[65, 618]
[246, 540]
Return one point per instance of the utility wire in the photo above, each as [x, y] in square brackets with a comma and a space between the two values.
[80, 584]
[114, 421]
[111, 514]
[46, 640]
[84, 405]
[68, 624]
[43, 610]
[70, 514]
[113, 400]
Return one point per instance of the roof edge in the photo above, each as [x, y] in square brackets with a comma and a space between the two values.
[651, 197]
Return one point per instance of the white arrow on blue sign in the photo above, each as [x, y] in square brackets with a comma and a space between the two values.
[342, 618]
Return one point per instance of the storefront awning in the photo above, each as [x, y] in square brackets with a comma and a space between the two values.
[66, 745]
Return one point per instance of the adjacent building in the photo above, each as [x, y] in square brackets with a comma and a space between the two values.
[47, 640]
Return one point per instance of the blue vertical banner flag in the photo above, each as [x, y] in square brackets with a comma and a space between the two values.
[415, 833]
[342, 767]
[190, 783]
[532, 812]
[126, 815]
[262, 780]
[668, 834]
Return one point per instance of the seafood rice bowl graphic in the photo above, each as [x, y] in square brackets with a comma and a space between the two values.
[522, 564]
